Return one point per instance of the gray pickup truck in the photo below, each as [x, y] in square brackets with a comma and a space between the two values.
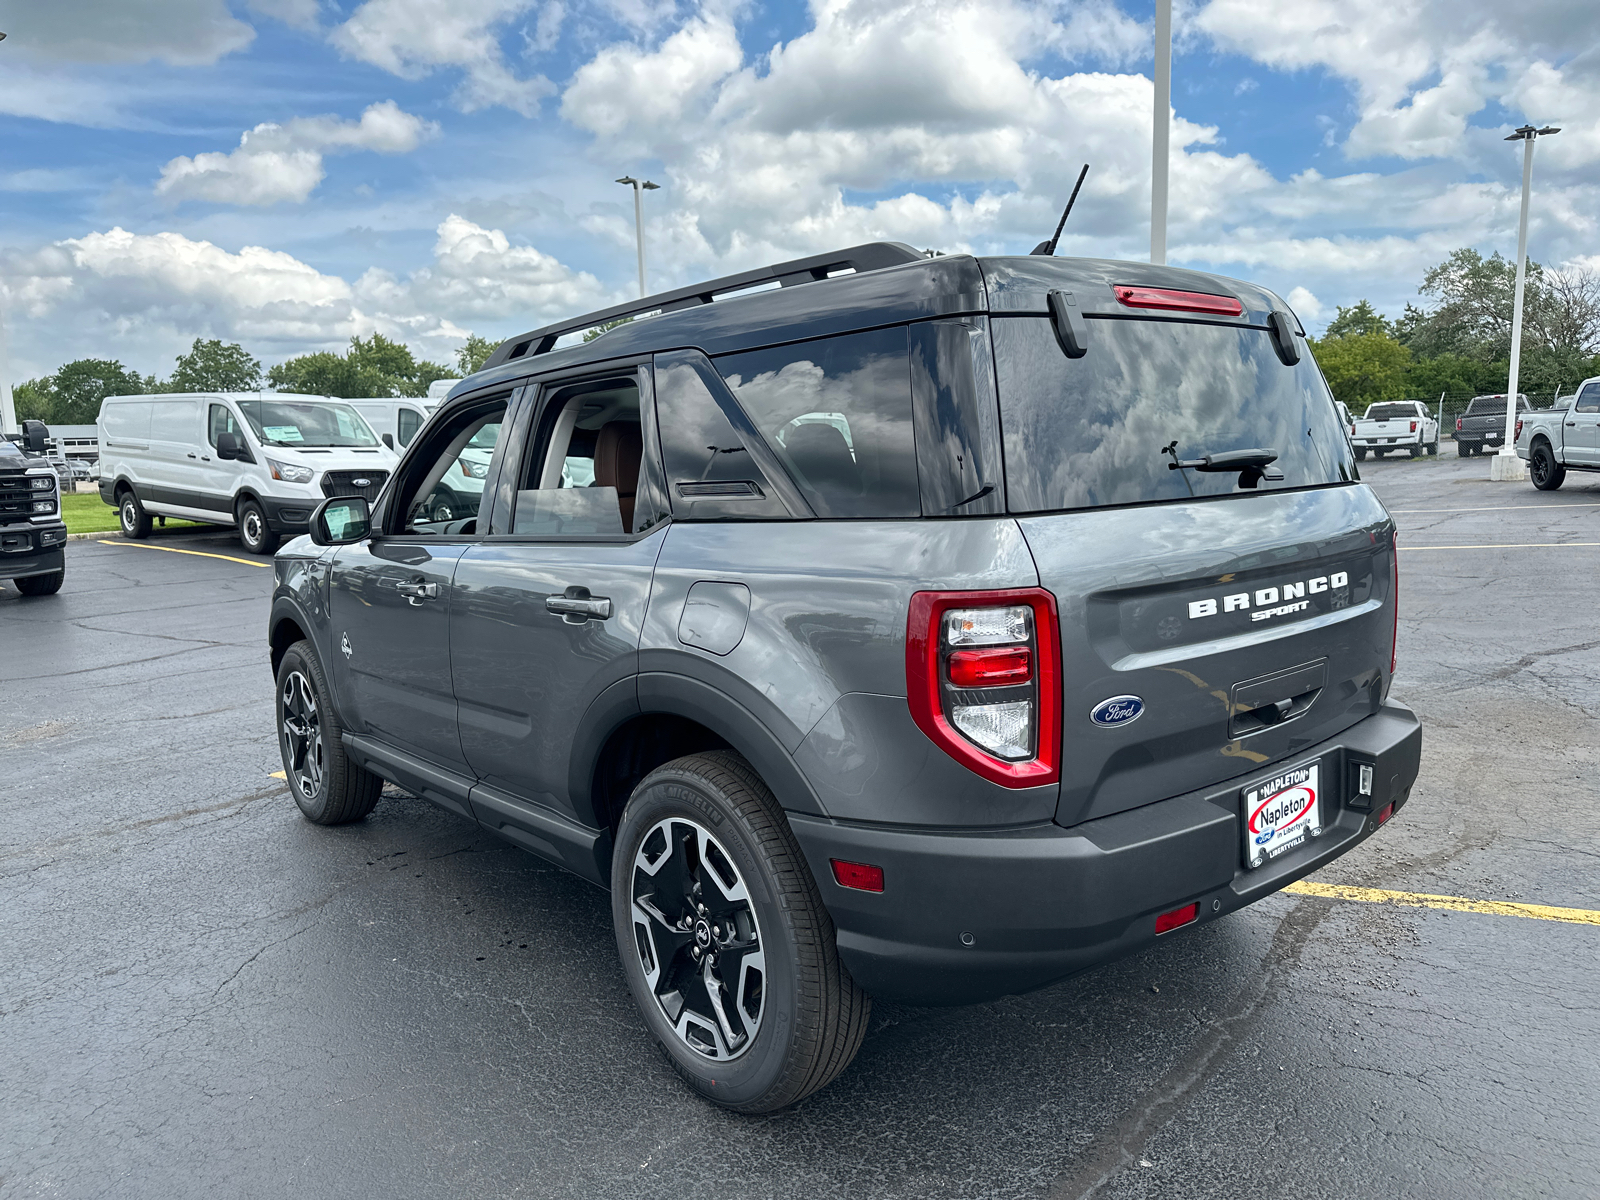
[1483, 425]
[1563, 438]
[925, 628]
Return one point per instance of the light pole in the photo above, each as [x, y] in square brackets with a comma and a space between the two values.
[639, 189]
[8, 408]
[1506, 464]
[1161, 126]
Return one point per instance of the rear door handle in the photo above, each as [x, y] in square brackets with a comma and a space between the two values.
[191, 454]
[576, 606]
[416, 591]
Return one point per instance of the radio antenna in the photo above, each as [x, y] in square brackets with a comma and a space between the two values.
[1049, 248]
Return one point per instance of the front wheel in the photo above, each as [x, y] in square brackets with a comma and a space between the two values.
[253, 531]
[41, 585]
[328, 787]
[728, 949]
[1547, 474]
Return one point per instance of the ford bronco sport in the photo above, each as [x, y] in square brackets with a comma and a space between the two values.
[928, 628]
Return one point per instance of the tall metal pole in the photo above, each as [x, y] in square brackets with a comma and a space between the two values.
[1161, 126]
[1506, 464]
[8, 408]
[639, 188]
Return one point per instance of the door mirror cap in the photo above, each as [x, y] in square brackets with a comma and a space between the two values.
[388, 440]
[34, 436]
[229, 447]
[341, 521]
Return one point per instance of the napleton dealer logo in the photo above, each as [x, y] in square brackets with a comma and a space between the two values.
[1265, 603]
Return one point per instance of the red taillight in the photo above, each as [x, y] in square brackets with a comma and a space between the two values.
[1413, 427]
[997, 666]
[1518, 435]
[863, 877]
[1170, 298]
[1458, 424]
[1015, 678]
[1394, 602]
[1169, 921]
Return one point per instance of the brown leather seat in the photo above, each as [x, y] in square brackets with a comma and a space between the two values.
[617, 451]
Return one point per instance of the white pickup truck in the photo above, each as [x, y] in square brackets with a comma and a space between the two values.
[1566, 437]
[1396, 425]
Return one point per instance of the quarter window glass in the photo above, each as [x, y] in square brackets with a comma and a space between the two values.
[407, 423]
[1107, 427]
[837, 413]
[710, 473]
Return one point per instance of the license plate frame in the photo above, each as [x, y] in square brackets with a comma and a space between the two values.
[1297, 819]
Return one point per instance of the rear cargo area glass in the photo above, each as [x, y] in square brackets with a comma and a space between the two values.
[1104, 429]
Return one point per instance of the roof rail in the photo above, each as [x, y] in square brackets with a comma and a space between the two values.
[870, 256]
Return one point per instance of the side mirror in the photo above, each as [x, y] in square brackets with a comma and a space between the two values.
[227, 445]
[388, 440]
[341, 521]
[34, 436]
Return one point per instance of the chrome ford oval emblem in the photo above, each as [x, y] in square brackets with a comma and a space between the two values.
[361, 483]
[1118, 710]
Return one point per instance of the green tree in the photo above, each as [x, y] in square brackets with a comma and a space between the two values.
[34, 398]
[1359, 318]
[78, 387]
[1471, 311]
[211, 366]
[1363, 368]
[374, 367]
[471, 357]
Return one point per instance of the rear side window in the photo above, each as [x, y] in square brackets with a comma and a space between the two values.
[1106, 428]
[406, 426]
[711, 473]
[1588, 399]
[837, 413]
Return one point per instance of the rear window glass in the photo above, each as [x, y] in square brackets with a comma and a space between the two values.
[837, 413]
[1106, 428]
[1485, 405]
[1391, 412]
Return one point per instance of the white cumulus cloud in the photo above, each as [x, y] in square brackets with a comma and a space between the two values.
[275, 163]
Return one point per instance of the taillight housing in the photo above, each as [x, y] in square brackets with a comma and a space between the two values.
[1413, 427]
[1517, 437]
[1458, 424]
[1394, 602]
[983, 681]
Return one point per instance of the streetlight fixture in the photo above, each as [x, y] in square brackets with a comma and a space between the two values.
[1161, 126]
[1506, 465]
[639, 189]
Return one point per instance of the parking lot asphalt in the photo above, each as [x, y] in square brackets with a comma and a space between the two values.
[202, 994]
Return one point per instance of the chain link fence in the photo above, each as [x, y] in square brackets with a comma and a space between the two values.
[1450, 405]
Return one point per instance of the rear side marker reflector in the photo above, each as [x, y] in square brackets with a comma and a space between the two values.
[1177, 301]
[1385, 812]
[863, 877]
[1169, 921]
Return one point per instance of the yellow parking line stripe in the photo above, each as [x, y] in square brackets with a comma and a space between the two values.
[1507, 546]
[197, 553]
[277, 775]
[1498, 908]
[1493, 508]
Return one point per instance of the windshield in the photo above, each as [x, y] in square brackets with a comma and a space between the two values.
[1106, 428]
[299, 424]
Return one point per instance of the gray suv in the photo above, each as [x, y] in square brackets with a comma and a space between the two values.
[871, 624]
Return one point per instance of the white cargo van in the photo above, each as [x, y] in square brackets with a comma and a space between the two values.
[260, 461]
[395, 419]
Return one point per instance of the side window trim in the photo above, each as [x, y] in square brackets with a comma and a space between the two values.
[756, 445]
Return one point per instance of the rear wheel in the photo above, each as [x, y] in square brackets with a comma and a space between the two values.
[41, 585]
[1433, 447]
[328, 787]
[1379, 453]
[132, 516]
[1547, 474]
[1463, 450]
[1413, 451]
[726, 944]
[1361, 454]
[253, 531]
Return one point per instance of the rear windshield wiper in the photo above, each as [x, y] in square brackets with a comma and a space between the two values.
[1252, 465]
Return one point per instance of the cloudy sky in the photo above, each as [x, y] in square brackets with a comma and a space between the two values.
[287, 173]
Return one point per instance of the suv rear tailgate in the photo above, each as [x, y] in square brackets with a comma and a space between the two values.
[1249, 628]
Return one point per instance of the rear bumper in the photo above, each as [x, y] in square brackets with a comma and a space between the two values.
[32, 550]
[1042, 902]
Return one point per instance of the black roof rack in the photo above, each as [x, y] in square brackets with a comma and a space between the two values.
[871, 256]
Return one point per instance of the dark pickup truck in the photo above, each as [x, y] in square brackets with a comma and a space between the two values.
[1484, 423]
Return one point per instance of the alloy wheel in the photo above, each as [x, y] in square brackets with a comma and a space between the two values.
[302, 735]
[698, 939]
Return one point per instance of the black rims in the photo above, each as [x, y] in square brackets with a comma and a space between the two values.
[698, 939]
[1547, 474]
[300, 726]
